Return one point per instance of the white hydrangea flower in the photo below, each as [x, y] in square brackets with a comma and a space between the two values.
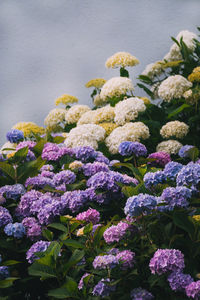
[116, 86]
[173, 87]
[174, 128]
[128, 109]
[85, 135]
[104, 114]
[121, 59]
[87, 118]
[188, 38]
[75, 112]
[128, 132]
[153, 69]
[170, 146]
[54, 117]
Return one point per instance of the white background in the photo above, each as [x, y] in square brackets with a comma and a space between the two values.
[51, 47]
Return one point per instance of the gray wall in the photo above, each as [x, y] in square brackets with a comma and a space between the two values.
[51, 47]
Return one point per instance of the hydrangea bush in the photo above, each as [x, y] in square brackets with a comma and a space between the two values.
[103, 203]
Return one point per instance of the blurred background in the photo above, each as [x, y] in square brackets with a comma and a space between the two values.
[52, 47]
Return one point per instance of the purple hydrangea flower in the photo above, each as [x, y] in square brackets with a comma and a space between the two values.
[4, 272]
[66, 177]
[53, 152]
[167, 260]
[183, 152]
[127, 179]
[85, 153]
[193, 289]
[115, 232]
[29, 144]
[140, 204]
[105, 261]
[33, 229]
[171, 169]
[81, 282]
[16, 229]
[39, 181]
[74, 200]
[26, 202]
[132, 148]
[152, 179]
[47, 174]
[161, 158]
[13, 191]
[101, 158]
[47, 167]
[90, 215]
[91, 169]
[189, 175]
[127, 259]
[176, 197]
[178, 281]
[105, 181]
[40, 246]
[5, 216]
[141, 294]
[102, 289]
[14, 136]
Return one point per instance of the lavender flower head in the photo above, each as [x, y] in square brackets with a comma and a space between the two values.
[4, 272]
[16, 229]
[85, 153]
[127, 259]
[178, 281]
[105, 261]
[172, 169]
[161, 158]
[184, 151]
[166, 260]
[40, 246]
[141, 294]
[152, 179]
[5, 216]
[29, 144]
[90, 215]
[140, 204]
[81, 282]
[176, 197]
[74, 200]
[53, 152]
[39, 181]
[13, 191]
[26, 202]
[102, 289]
[189, 175]
[47, 174]
[66, 177]
[91, 169]
[115, 232]
[15, 135]
[33, 229]
[104, 180]
[193, 290]
[46, 167]
[101, 158]
[132, 148]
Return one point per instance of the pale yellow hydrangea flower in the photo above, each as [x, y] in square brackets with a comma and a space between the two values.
[104, 114]
[170, 146]
[76, 165]
[75, 112]
[196, 218]
[174, 128]
[121, 59]
[66, 99]
[29, 128]
[96, 82]
[108, 126]
[195, 75]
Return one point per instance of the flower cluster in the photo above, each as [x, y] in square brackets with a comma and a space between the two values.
[55, 117]
[15, 135]
[170, 146]
[177, 196]
[75, 112]
[91, 169]
[141, 294]
[184, 151]
[102, 289]
[115, 233]
[39, 246]
[159, 158]
[140, 204]
[132, 148]
[66, 99]
[14, 191]
[179, 281]
[90, 215]
[151, 179]
[29, 128]
[193, 289]
[121, 59]
[16, 229]
[174, 129]
[96, 83]
[172, 169]
[105, 261]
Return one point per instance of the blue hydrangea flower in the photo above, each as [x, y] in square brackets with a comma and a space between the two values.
[189, 175]
[178, 281]
[14, 136]
[132, 148]
[5, 216]
[183, 152]
[66, 177]
[141, 294]
[151, 179]
[172, 169]
[13, 191]
[40, 246]
[105, 261]
[16, 229]
[176, 197]
[137, 205]
[102, 289]
[85, 153]
[4, 272]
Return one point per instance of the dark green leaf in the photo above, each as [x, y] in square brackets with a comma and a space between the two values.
[178, 110]
[58, 226]
[8, 169]
[41, 270]
[7, 282]
[73, 244]
[61, 293]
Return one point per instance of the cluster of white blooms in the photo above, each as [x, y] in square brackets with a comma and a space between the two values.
[116, 86]
[55, 117]
[170, 146]
[174, 129]
[153, 69]
[75, 112]
[87, 118]
[128, 132]
[104, 114]
[128, 109]
[173, 87]
[121, 59]
[188, 38]
[189, 97]
[85, 135]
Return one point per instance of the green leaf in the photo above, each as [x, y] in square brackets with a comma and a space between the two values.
[39, 147]
[182, 221]
[47, 234]
[71, 285]
[10, 262]
[58, 226]
[148, 91]
[73, 244]
[178, 110]
[58, 139]
[61, 293]
[88, 228]
[41, 270]
[124, 72]
[175, 41]
[8, 169]
[20, 155]
[193, 153]
[7, 282]
[134, 170]
[74, 259]
[145, 79]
